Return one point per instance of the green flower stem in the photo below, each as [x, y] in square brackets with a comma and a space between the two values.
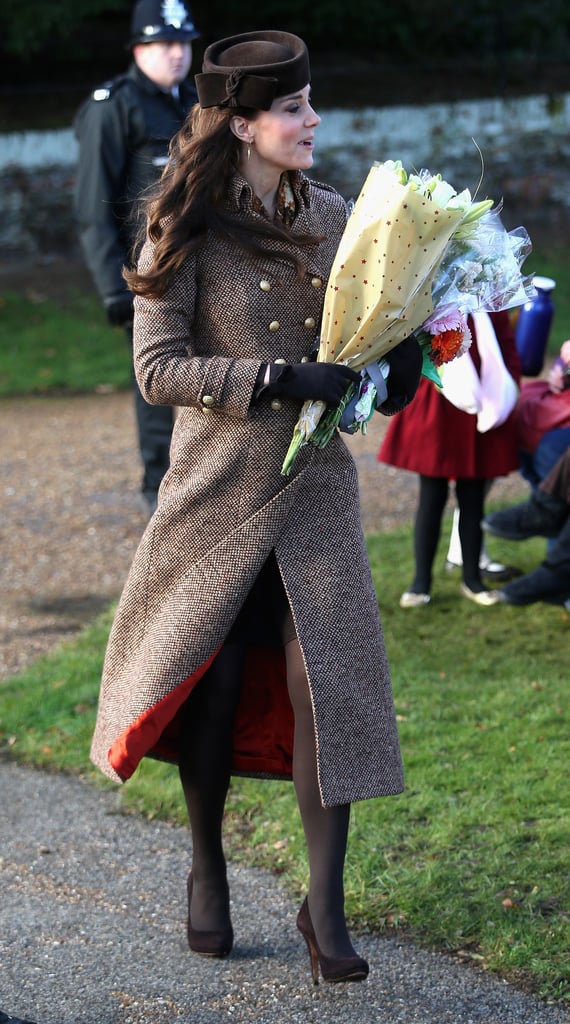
[293, 450]
[331, 419]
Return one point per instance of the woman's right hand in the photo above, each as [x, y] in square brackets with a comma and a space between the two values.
[328, 382]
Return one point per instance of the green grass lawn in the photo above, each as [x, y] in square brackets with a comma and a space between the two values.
[53, 347]
[473, 857]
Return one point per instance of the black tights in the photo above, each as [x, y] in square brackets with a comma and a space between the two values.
[204, 765]
[205, 757]
[432, 500]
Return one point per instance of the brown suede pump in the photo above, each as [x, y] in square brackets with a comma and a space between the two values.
[341, 968]
[215, 943]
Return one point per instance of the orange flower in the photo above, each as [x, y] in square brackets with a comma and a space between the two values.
[445, 346]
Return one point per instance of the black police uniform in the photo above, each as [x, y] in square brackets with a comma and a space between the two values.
[124, 129]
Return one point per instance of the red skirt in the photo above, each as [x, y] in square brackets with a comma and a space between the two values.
[434, 438]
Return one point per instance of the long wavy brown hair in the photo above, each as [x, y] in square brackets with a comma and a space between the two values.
[189, 201]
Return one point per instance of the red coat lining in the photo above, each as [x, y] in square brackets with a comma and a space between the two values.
[263, 734]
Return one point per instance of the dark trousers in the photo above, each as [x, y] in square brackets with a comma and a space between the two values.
[551, 446]
[557, 481]
[557, 484]
[558, 557]
[154, 426]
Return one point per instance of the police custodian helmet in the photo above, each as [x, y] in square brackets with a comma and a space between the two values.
[162, 20]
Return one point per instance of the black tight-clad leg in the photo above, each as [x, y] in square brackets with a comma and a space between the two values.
[471, 501]
[205, 760]
[325, 828]
[427, 528]
[204, 765]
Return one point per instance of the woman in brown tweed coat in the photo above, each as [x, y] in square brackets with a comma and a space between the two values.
[248, 638]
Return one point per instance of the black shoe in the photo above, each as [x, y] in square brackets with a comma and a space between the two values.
[495, 573]
[540, 516]
[6, 1019]
[543, 584]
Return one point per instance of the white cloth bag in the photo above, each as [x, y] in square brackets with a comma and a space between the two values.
[493, 395]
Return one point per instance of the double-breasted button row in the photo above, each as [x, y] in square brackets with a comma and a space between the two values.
[265, 285]
[309, 323]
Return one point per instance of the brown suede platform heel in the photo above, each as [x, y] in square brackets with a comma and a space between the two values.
[215, 943]
[337, 968]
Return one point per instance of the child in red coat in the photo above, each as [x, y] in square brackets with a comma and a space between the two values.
[442, 443]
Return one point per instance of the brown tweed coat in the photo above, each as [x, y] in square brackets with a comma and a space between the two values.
[224, 506]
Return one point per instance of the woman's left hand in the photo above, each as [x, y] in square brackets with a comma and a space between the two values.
[405, 370]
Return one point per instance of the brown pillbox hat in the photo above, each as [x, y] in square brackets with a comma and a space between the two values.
[252, 69]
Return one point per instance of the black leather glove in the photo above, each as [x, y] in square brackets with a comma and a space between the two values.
[119, 309]
[405, 370]
[326, 381]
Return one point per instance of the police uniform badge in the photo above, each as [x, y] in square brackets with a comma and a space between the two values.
[174, 13]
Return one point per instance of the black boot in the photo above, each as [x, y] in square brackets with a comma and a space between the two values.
[544, 584]
[540, 516]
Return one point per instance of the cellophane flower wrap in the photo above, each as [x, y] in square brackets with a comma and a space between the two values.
[412, 245]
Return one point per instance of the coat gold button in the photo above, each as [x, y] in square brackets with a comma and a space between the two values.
[280, 360]
[276, 404]
[208, 401]
[274, 325]
[316, 282]
[304, 359]
[310, 321]
[265, 286]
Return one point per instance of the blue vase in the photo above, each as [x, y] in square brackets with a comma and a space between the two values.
[533, 327]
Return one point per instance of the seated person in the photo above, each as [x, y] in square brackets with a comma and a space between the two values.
[545, 514]
[542, 418]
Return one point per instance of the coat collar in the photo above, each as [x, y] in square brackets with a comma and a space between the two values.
[240, 193]
[239, 198]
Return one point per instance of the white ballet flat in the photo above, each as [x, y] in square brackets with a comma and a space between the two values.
[482, 597]
[410, 600]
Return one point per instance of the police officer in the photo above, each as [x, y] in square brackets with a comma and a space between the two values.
[124, 129]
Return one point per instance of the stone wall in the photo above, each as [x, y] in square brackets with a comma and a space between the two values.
[520, 148]
[36, 214]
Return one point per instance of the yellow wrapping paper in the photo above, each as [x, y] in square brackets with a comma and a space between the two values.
[380, 285]
[379, 288]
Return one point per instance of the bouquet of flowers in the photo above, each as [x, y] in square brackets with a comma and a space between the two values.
[415, 257]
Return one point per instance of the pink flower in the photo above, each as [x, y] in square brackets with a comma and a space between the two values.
[445, 318]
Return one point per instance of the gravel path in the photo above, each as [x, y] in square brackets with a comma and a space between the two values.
[92, 922]
[72, 515]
